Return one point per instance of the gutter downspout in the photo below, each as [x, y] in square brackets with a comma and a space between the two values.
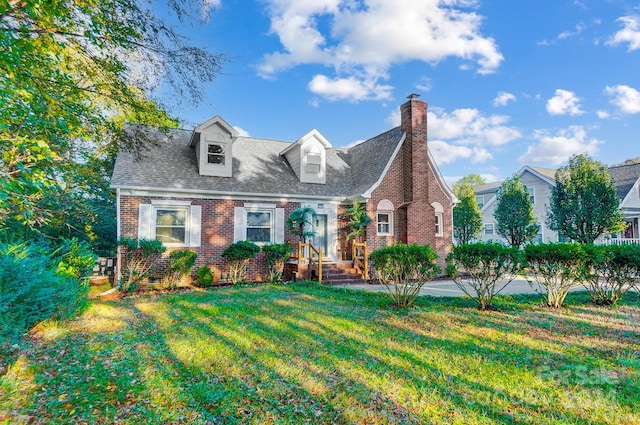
[118, 234]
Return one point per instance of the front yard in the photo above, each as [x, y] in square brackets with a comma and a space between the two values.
[305, 354]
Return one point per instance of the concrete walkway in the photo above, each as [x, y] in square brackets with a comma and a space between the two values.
[447, 288]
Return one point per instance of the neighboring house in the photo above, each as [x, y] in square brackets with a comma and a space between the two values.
[627, 178]
[539, 182]
[207, 188]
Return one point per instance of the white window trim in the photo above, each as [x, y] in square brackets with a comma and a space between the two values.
[272, 224]
[277, 222]
[390, 214]
[480, 204]
[439, 224]
[225, 153]
[148, 215]
[532, 194]
[484, 229]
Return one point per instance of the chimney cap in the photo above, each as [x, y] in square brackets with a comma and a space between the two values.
[413, 96]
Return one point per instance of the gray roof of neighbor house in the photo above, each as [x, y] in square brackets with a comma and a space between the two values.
[482, 189]
[547, 172]
[168, 163]
[625, 177]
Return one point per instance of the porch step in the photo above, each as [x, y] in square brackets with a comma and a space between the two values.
[341, 274]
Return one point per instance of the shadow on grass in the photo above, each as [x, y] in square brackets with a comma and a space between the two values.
[306, 354]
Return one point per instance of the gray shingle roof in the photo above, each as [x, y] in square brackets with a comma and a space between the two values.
[624, 176]
[258, 168]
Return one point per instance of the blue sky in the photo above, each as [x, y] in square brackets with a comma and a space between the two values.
[508, 83]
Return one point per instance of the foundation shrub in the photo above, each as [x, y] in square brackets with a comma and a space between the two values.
[403, 270]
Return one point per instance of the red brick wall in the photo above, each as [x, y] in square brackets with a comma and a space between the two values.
[412, 180]
[217, 231]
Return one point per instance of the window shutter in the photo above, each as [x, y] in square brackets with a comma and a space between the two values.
[195, 227]
[279, 232]
[145, 222]
[239, 224]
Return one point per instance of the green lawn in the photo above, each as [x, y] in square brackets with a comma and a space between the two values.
[306, 354]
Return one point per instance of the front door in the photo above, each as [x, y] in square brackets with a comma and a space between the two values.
[321, 239]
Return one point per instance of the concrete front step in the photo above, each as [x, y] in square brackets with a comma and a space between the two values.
[342, 282]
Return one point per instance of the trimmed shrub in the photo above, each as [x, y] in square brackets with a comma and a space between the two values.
[141, 256]
[490, 266]
[557, 268]
[38, 281]
[182, 261]
[403, 270]
[610, 271]
[204, 277]
[275, 256]
[239, 254]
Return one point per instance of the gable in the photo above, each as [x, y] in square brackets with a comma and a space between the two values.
[308, 157]
[213, 143]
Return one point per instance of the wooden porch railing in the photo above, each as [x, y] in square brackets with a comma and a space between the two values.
[360, 256]
[313, 261]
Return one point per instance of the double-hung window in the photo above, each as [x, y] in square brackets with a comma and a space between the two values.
[216, 153]
[384, 218]
[172, 222]
[258, 223]
[171, 225]
[260, 226]
[439, 217]
[532, 194]
[384, 223]
[488, 228]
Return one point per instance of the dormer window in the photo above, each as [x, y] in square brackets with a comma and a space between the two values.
[213, 143]
[308, 157]
[216, 153]
[314, 163]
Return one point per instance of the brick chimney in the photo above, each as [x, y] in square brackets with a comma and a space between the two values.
[416, 172]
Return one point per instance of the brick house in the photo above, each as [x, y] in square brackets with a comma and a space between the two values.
[207, 188]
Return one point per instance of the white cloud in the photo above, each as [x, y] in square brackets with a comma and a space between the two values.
[467, 134]
[351, 89]
[503, 98]
[624, 97]
[471, 127]
[354, 143]
[241, 132]
[555, 149]
[362, 39]
[464, 134]
[566, 34]
[424, 85]
[602, 114]
[564, 102]
[579, 28]
[629, 34]
[446, 153]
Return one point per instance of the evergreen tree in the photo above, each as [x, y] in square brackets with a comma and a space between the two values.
[467, 218]
[584, 202]
[514, 213]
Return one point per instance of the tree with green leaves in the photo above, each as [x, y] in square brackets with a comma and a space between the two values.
[514, 215]
[358, 220]
[467, 218]
[70, 71]
[584, 201]
[300, 223]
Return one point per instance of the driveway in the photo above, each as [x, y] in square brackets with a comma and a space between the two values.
[447, 288]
